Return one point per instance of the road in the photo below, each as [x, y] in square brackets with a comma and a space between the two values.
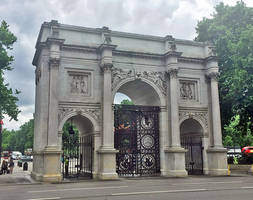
[191, 188]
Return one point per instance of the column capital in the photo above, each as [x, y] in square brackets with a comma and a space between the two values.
[106, 67]
[173, 72]
[213, 75]
[54, 62]
[53, 40]
[107, 46]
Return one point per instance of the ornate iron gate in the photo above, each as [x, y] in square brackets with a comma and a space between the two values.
[137, 139]
[77, 157]
[194, 156]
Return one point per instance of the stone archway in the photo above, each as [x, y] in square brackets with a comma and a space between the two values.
[147, 103]
[76, 77]
[85, 163]
[191, 134]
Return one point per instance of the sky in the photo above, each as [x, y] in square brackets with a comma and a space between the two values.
[153, 17]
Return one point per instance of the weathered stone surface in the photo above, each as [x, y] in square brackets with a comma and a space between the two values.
[78, 72]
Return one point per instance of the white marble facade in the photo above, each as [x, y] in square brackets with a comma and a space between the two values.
[78, 72]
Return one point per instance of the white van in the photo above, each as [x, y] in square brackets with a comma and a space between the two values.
[16, 155]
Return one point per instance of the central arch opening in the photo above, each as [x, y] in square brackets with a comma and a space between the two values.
[136, 129]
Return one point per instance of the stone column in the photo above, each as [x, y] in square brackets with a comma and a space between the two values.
[48, 160]
[107, 151]
[216, 122]
[174, 114]
[163, 133]
[216, 153]
[175, 153]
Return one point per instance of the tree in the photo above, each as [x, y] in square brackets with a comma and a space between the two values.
[8, 100]
[70, 140]
[126, 102]
[19, 140]
[231, 31]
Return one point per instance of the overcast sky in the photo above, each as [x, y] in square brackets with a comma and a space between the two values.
[154, 17]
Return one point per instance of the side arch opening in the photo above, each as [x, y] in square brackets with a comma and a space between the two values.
[77, 147]
[191, 133]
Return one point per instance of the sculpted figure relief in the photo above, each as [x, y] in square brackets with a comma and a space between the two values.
[79, 84]
[186, 91]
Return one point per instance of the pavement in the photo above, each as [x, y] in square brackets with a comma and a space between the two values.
[19, 176]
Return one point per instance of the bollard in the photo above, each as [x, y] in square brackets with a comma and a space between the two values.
[25, 166]
[251, 170]
[229, 171]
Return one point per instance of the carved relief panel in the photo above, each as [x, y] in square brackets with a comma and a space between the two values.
[79, 83]
[188, 90]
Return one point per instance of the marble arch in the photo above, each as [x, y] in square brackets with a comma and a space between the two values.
[80, 69]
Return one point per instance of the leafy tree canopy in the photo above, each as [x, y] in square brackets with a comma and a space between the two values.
[7, 99]
[231, 31]
[126, 102]
[19, 140]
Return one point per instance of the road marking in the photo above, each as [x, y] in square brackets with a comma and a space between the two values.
[69, 189]
[246, 187]
[207, 183]
[157, 192]
[50, 198]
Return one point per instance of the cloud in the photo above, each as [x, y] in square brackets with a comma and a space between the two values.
[25, 115]
[153, 17]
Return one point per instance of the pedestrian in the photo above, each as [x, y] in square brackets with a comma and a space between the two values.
[66, 166]
[4, 167]
[11, 165]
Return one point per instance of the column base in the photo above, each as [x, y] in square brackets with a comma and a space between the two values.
[52, 178]
[47, 165]
[217, 161]
[107, 164]
[176, 162]
[108, 176]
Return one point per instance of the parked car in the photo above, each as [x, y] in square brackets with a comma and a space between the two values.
[234, 151]
[248, 151]
[26, 158]
[16, 155]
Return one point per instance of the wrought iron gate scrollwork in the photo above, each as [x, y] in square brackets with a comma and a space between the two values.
[194, 155]
[137, 139]
[77, 156]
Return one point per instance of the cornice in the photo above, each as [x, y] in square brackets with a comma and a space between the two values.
[80, 48]
[197, 109]
[106, 46]
[192, 60]
[138, 54]
[123, 34]
[173, 53]
[78, 104]
[211, 59]
[39, 48]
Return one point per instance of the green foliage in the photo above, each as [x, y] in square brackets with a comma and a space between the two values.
[126, 102]
[8, 100]
[231, 31]
[19, 140]
[70, 141]
[234, 135]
